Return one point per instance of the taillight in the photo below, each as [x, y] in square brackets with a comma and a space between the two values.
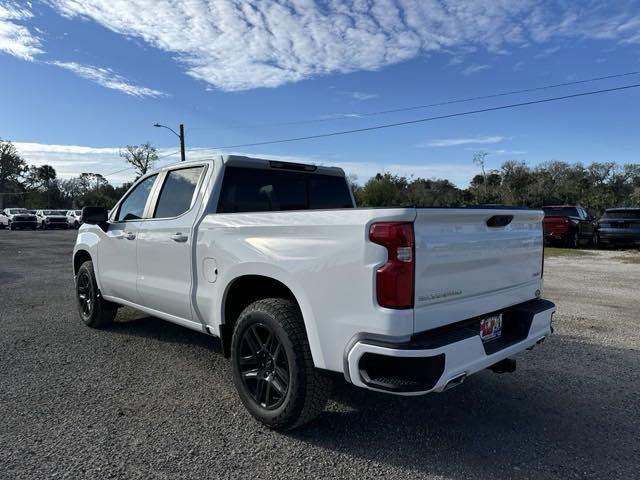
[394, 279]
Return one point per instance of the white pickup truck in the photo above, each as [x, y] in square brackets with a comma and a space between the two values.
[275, 260]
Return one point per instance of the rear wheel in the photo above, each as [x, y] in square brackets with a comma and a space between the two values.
[596, 240]
[272, 367]
[94, 310]
[573, 241]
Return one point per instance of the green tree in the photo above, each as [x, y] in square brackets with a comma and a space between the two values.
[12, 167]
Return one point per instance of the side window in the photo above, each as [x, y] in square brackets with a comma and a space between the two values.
[133, 206]
[177, 192]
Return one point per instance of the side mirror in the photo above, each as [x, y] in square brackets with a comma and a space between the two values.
[95, 215]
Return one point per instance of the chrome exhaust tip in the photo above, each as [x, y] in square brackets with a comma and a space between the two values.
[455, 381]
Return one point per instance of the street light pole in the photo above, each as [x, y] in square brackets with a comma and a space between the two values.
[179, 135]
[182, 143]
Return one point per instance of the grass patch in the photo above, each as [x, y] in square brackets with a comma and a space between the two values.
[565, 252]
[628, 259]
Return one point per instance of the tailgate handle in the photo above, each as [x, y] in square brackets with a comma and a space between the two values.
[499, 220]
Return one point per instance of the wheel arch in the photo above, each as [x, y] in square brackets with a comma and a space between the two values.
[79, 257]
[245, 289]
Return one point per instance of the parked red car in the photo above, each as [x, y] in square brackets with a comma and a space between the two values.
[567, 225]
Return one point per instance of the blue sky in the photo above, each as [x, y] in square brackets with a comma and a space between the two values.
[81, 78]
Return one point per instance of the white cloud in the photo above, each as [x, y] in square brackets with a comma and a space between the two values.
[453, 142]
[547, 52]
[363, 95]
[108, 79]
[19, 41]
[475, 68]
[239, 45]
[16, 39]
[72, 160]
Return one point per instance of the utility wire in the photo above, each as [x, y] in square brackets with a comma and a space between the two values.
[356, 116]
[131, 168]
[420, 120]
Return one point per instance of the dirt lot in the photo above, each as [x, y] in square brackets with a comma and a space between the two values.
[146, 399]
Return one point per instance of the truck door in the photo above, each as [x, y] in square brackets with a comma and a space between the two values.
[165, 242]
[117, 259]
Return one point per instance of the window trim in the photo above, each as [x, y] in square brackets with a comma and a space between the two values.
[116, 210]
[155, 195]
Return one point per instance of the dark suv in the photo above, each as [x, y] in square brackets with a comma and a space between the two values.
[567, 225]
[618, 226]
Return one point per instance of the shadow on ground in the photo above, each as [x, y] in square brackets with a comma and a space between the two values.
[567, 412]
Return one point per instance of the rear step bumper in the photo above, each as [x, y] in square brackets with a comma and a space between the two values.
[436, 360]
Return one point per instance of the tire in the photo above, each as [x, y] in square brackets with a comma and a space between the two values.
[573, 241]
[93, 309]
[595, 240]
[11, 226]
[269, 348]
[76, 225]
[43, 226]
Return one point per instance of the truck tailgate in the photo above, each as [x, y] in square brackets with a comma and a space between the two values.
[469, 264]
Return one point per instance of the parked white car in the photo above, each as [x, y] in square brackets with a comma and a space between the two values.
[52, 219]
[74, 218]
[17, 218]
[274, 259]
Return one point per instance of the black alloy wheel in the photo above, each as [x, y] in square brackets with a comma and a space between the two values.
[86, 294]
[264, 367]
[94, 310]
[272, 366]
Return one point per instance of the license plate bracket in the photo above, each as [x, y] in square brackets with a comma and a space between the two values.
[491, 327]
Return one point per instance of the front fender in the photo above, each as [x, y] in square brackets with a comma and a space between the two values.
[87, 240]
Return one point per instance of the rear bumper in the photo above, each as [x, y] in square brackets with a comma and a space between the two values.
[442, 357]
[619, 236]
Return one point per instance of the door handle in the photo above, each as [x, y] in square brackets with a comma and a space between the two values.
[130, 236]
[179, 237]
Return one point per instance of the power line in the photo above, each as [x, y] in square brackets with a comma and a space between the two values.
[440, 104]
[131, 168]
[421, 120]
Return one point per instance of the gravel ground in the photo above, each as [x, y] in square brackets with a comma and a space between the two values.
[147, 399]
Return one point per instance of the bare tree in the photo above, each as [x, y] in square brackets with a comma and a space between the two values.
[479, 159]
[140, 157]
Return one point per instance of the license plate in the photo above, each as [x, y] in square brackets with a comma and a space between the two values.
[491, 328]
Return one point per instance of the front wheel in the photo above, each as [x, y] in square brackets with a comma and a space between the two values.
[11, 226]
[596, 240]
[94, 310]
[272, 367]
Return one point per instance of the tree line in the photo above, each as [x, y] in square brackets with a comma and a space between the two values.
[596, 187]
[30, 186]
